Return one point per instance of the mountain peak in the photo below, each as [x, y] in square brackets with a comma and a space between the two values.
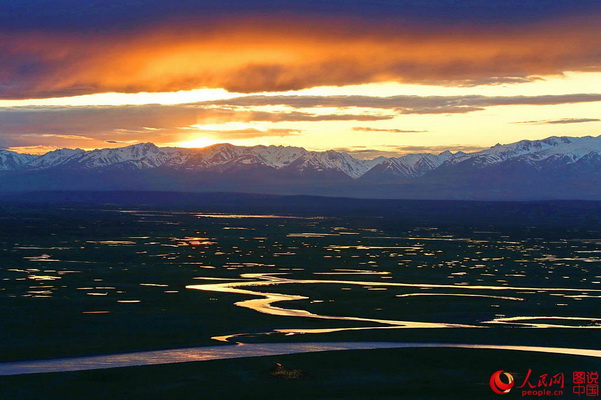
[9, 160]
[145, 145]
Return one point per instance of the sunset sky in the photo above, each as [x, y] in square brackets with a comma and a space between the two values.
[369, 77]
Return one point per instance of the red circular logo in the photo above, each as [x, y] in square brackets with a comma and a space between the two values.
[497, 385]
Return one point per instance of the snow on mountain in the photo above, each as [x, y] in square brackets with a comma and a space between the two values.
[148, 155]
[212, 156]
[415, 165]
[55, 158]
[9, 160]
[572, 148]
[411, 165]
[143, 155]
[331, 161]
[567, 149]
[278, 156]
[138, 156]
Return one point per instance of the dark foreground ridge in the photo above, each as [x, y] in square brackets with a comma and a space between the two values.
[558, 213]
[247, 350]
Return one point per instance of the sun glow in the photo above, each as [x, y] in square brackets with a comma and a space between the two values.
[197, 143]
[229, 126]
[211, 133]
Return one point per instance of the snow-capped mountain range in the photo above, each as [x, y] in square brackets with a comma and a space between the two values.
[570, 149]
[556, 166]
[219, 157]
[222, 157]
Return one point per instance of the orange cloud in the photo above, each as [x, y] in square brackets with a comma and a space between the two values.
[561, 121]
[251, 133]
[250, 55]
[65, 126]
[32, 149]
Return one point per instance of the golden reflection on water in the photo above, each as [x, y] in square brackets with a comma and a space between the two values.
[340, 271]
[460, 295]
[43, 258]
[265, 303]
[531, 321]
[112, 242]
[475, 267]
